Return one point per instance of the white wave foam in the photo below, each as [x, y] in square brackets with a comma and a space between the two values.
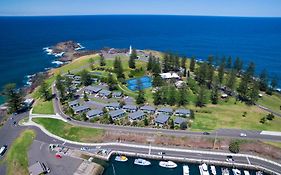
[57, 62]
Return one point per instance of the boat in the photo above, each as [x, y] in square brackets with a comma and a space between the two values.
[185, 170]
[204, 169]
[121, 158]
[213, 170]
[224, 171]
[236, 171]
[259, 173]
[168, 164]
[142, 162]
[246, 172]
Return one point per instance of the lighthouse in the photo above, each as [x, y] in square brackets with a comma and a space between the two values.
[130, 50]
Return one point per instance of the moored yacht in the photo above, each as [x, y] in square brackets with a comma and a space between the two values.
[168, 164]
[246, 172]
[204, 169]
[142, 162]
[236, 171]
[224, 171]
[185, 170]
[121, 158]
[213, 170]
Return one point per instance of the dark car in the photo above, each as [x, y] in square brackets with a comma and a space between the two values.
[206, 133]
[68, 118]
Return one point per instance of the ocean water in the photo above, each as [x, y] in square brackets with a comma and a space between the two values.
[252, 39]
[129, 168]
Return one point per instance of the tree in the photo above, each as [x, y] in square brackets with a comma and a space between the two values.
[166, 63]
[176, 63]
[270, 116]
[171, 124]
[85, 96]
[183, 97]
[13, 96]
[150, 62]
[111, 82]
[229, 63]
[172, 96]
[234, 146]
[215, 94]
[221, 71]
[231, 79]
[44, 91]
[201, 73]
[157, 81]
[157, 97]
[102, 60]
[133, 57]
[253, 93]
[60, 86]
[263, 80]
[85, 78]
[156, 69]
[140, 99]
[238, 65]
[145, 122]
[192, 64]
[183, 63]
[201, 97]
[183, 125]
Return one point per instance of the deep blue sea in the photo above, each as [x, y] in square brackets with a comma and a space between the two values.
[252, 39]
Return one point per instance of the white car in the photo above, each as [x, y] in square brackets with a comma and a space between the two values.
[243, 135]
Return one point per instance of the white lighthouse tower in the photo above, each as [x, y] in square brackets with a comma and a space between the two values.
[130, 50]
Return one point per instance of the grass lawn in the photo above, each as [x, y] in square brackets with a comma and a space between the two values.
[69, 132]
[229, 115]
[272, 102]
[17, 160]
[43, 107]
[276, 144]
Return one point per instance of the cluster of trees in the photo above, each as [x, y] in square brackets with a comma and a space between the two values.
[13, 96]
[234, 146]
[171, 62]
[171, 96]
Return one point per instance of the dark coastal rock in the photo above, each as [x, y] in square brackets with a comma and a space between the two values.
[67, 46]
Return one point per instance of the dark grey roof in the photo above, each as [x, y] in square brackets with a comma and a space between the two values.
[94, 112]
[94, 89]
[94, 79]
[75, 102]
[76, 82]
[36, 169]
[183, 111]
[148, 108]
[130, 107]
[165, 109]
[136, 115]
[105, 92]
[70, 75]
[116, 113]
[77, 77]
[114, 104]
[179, 120]
[117, 93]
[162, 118]
[80, 108]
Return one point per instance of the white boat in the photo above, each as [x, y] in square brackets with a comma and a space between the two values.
[204, 169]
[185, 170]
[246, 172]
[224, 171]
[142, 162]
[121, 158]
[236, 171]
[259, 173]
[213, 170]
[168, 164]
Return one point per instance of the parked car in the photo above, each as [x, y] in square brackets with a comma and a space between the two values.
[206, 133]
[243, 134]
[58, 156]
[3, 150]
[229, 159]
[68, 118]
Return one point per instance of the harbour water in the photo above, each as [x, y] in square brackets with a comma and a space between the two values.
[251, 39]
[129, 168]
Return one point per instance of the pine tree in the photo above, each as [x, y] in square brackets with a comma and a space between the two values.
[229, 63]
[44, 91]
[140, 99]
[13, 96]
[221, 71]
[192, 64]
[150, 62]
[60, 86]
[85, 96]
[176, 63]
[231, 79]
[85, 78]
[157, 97]
[156, 69]
[238, 65]
[201, 97]
[111, 82]
[133, 57]
[253, 93]
[215, 94]
[172, 96]
[263, 81]
[183, 63]
[201, 73]
[166, 62]
[102, 60]
[183, 97]
[157, 81]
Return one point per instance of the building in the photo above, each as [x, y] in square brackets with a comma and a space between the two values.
[80, 109]
[138, 115]
[94, 113]
[148, 109]
[130, 108]
[117, 114]
[38, 168]
[75, 82]
[77, 78]
[71, 76]
[117, 94]
[104, 93]
[113, 106]
[94, 80]
[182, 112]
[28, 102]
[179, 120]
[161, 119]
[166, 110]
[180, 84]
[3, 111]
[170, 75]
[92, 89]
[73, 104]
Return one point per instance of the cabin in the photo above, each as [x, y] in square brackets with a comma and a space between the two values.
[92, 89]
[161, 120]
[138, 115]
[77, 78]
[94, 80]
[117, 114]
[73, 104]
[113, 106]
[179, 120]
[80, 109]
[71, 76]
[182, 112]
[94, 113]
[104, 93]
[148, 109]
[169, 75]
[165, 110]
[117, 94]
[130, 108]
[75, 82]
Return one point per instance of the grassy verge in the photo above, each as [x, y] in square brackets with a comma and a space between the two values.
[17, 160]
[43, 107]
[276, 144]
[69, 132]
[272, 102]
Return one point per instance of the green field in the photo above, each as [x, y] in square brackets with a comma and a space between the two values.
[69, 132]
[17, 159]
[43, 107]
[272, 102]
